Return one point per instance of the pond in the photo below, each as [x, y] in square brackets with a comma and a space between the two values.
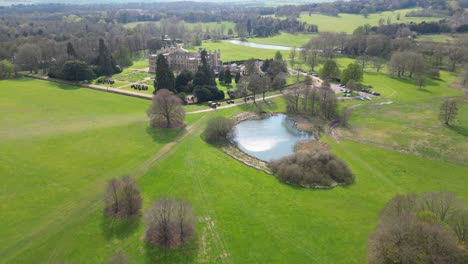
[260, 46]
[270, 138]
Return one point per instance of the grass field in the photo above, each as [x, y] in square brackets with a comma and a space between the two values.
[61, 143]
[285, 39]
[349, 22]
[234, 52]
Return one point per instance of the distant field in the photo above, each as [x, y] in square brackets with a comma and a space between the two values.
[233, 52]
[285, 39]
[349, 22]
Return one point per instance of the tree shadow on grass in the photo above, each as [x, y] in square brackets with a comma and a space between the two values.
[68, 87]
[186, 253]
[162, 135]
[119, 227]
[460, 130]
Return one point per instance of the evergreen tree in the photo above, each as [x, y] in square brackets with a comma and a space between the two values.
[278, 55]
[237, 78]
[227, 77]
[204, 76]
[221, 77]
[105, 62]
[164, 76]
[182, 81]
[71, 51]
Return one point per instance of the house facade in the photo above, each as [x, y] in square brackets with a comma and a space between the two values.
[180, 59]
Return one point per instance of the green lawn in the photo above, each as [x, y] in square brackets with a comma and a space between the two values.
[60, 144]
[349, 22]
[234, 52]
[285, 39]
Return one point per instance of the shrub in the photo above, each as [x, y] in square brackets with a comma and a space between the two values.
[122, 198]
[308, 169]
[218, 130]
[170, 223]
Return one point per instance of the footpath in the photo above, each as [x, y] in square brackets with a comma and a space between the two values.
[93, 86]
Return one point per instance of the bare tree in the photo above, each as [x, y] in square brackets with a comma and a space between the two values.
[166, 111]
[122, 197]
[265, 85]
[242, 87]
[170, 222]
[442, 204]
[448, 111]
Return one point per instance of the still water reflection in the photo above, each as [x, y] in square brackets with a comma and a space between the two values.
[269, 138]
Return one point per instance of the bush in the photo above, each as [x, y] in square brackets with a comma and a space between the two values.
[208, 93]
[122, 198]
[218, 130]
[170, 223]
[308, 169]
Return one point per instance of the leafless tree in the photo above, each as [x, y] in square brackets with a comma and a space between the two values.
[448, 111]
[122, 197]
[166, 111]
[170, 222]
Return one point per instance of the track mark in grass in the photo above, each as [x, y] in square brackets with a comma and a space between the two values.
[371, 169]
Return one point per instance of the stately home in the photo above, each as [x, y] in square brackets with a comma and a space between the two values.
[180, 59]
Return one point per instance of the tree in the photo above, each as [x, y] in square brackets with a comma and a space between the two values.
[218, 130]
[255, 85]
[329, 70]
[277, 67]
[265, 85]
[278, 55]
[352, 72]
[166, 111]
[364, 12]
[122, 56]
[7, 69]
[71, 53]
[251, 66]
[313, 59]
[28, 57]
[154, 44]
[182, 81]
[77, 71]
[416, 229]
[279, 81]
[170, 222]
[227, 77]
[122, 197]
[327, 103]
[448, 111]
[164, 76]
[221, 76]
[292, 56]
[104, 61]
[464, 77]
[242, 88]
[237, 77]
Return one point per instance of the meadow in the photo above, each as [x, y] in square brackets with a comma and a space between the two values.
[61, 144]
[347, 23]
[285, 39]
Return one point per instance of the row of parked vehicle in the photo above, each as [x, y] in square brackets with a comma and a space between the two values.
[370, 92]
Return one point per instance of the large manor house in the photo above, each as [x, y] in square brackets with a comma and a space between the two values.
[180, 59]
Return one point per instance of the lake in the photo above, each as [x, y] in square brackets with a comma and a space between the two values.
[270, 138]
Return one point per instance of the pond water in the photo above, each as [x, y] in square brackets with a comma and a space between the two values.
[270, 138]
[260, 46]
